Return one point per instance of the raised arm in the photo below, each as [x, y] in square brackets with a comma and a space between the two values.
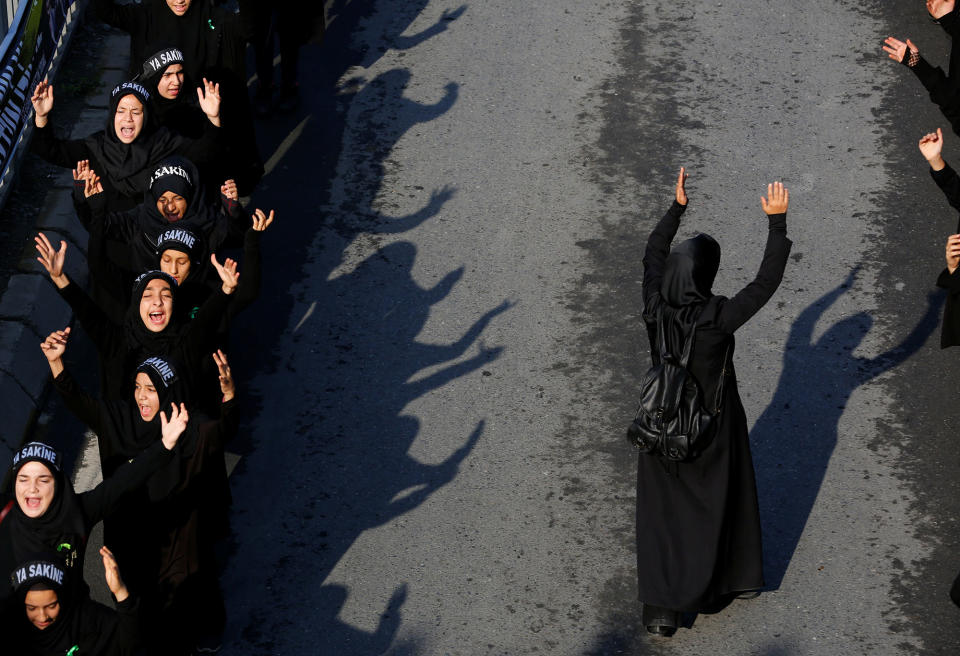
[248, 288]
[658, 244]
[45, 143]
[106, 497]
[80, 403]
[737, 310]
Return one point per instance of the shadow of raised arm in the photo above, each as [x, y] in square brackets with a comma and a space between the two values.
[407, 42]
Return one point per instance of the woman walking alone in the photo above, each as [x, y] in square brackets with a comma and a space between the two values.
[698, 523]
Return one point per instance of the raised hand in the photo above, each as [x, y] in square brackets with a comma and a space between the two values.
[931, 146]
[228, 273]
[953, 252]
[939, 8]
[778, 197]
[208, 96]
[172, 430]
[82, 172]
[42, 100]
[229, 189]
[227, 386]
[261, 221]
[111, 572]
[92, 186]
[897, 50]
[55, 345]
[52, 260]
[681, 192]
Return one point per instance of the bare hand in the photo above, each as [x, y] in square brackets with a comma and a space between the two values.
[228, 273]
[227, 386]
[172, 430]
[778, 197]
[42, 100]
[92, 186]
[229, 189]
[208, 96]
[82, 172]
[55, 345]
[52, 260]
[111, 571]
[931, 146]
[261, 221]
[953, 252]
[681, 192]
[939, 8]
[897, 49]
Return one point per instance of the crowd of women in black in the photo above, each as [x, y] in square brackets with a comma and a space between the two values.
[159, 191]
[698, 521]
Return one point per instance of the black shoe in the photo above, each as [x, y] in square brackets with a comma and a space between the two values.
[749, 594]
[660, 621]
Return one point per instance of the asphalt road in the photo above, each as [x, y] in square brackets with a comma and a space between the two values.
[443, 361]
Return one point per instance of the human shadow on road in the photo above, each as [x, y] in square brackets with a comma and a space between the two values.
[794, 438]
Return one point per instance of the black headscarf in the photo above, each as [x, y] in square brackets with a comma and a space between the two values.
[61, 524]
[687, 284]
[125, 164]
[181, 114]
[138, 335]
[46, 570]
[127, 434]
[187, 32]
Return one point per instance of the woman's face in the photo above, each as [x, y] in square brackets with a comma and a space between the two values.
[128, 121]
[175, 263]
[43, 607]
[34, 489]
[145, 394]
[179, 7]
[172, 206]
[156, 305]
[170, 82]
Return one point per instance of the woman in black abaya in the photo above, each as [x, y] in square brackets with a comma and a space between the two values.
[698, 523]
[124, 152]
[56, 617]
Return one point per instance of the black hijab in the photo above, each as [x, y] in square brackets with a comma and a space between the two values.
[181, 114]
[125, 164]
[127, 434]
[80, 622]
[141, 338]
[62, 523]
[189, 33]
[687, 285]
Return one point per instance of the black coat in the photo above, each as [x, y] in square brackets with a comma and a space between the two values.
[698, 522]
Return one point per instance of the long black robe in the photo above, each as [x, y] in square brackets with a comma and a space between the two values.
[949, 183]
[698, 522]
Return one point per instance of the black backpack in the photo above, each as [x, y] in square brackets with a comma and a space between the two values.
[672, 421]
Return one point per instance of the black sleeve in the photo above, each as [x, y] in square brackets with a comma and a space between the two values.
[942, 90]
[949, 183]
[60, 152]
[208, 149]
[127, 17]
[736, 311]
[658, 247]
[248, 289]
[201, 336]
[127, 637]
[949, 281]
[84, 406]
[106, 335]
[223, 430]
[105, 498]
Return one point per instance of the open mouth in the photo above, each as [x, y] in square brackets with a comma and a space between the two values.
[126, 133]
[173, 91]
[33, 503]
[145, 411]
[158, 317]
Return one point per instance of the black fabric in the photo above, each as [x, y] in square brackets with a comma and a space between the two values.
[124, 164]
[949, 183]
[175, 174]
[138, 335]
[698, 523]
[65, 526]
[91, 627]
[182, 240]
